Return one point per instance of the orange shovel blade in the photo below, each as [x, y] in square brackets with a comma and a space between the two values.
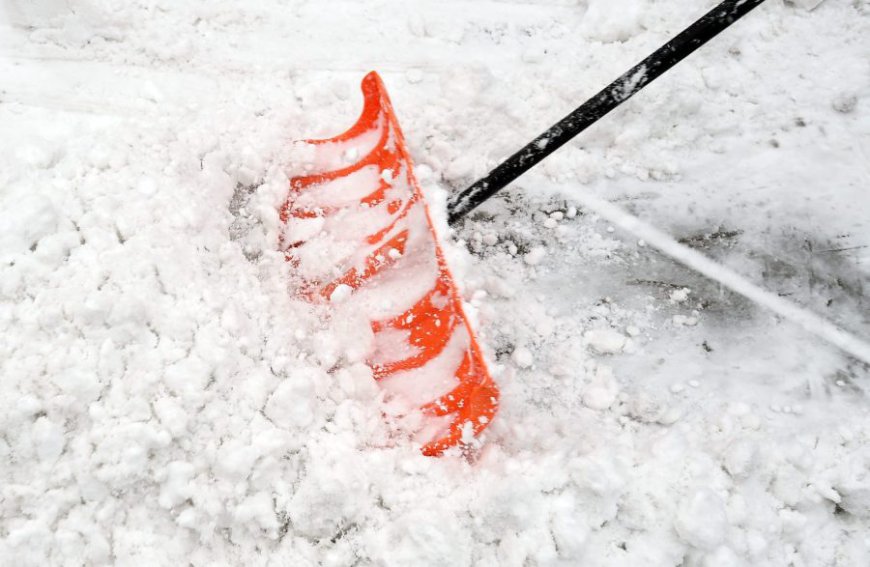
[358, 229]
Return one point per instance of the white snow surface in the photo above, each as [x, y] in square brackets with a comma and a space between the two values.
[164, 398]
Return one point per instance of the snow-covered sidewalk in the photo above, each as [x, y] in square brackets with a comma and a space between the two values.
[165, 399]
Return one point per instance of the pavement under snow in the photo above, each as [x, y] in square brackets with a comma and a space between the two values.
[164, 398]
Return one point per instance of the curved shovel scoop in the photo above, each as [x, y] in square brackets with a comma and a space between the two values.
[358, 231]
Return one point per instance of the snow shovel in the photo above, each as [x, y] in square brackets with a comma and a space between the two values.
[361, 213]
[361, 231]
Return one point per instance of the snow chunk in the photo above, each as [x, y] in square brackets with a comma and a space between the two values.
[235, 459]
[522, 357]
[570, 535]
[172, 415]
[291, 404]
[602, 391]
[701, 520]
[48, 439]
[340, 293]
[612, 20]
[258, 509]
[739, 458]
[26, 222]
[535, 255]
[176, 488]
[680, 295]
[856, 498]
[605, 341]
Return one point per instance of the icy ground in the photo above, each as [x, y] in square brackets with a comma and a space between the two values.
[166, 401]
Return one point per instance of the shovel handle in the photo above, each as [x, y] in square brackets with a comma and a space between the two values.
[611, 96]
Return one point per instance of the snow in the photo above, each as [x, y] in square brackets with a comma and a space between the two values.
[535, 255]
[167, 399]
[701, 521]
[523, 357]
[605, 341]
[612, 20]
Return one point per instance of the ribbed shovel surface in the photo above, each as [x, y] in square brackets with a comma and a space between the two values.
[357, 228]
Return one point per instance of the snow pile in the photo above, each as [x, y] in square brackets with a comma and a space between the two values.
[165, 399]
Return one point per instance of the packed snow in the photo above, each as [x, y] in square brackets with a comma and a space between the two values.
[168, 398]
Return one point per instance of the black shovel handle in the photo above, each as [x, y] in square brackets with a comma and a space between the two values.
[614, 94]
